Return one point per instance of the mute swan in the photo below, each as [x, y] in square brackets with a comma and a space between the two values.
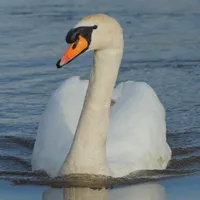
[135, 124]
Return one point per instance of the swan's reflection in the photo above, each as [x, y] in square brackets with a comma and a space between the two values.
[136, 192]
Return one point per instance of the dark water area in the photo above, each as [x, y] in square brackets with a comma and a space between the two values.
[162, 45]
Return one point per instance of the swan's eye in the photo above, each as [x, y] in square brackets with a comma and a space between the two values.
[95, 27]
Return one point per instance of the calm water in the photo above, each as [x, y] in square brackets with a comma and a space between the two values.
[162, 42]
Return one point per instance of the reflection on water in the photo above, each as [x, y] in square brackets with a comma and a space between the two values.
[142, 191]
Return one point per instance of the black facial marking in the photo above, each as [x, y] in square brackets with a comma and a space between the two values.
[72, 36]
[84, 31]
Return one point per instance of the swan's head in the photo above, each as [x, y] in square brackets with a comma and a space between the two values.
[94, 32]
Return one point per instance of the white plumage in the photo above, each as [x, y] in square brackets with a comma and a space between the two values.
[137, 133]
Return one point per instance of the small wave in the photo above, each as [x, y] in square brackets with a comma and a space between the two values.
[100, 181]
[17, 168]
[17, 141]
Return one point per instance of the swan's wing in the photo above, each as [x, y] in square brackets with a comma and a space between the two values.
[57, 126]
[137, 135]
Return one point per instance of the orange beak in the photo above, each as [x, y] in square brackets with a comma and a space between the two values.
[73, 51]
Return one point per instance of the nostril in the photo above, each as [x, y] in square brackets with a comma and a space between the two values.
[75, 44]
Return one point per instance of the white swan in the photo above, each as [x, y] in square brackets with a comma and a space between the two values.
[135, 124]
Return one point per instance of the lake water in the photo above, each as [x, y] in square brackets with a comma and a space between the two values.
[162, 42]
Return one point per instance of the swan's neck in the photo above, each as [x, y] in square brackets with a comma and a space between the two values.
[88, 150]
